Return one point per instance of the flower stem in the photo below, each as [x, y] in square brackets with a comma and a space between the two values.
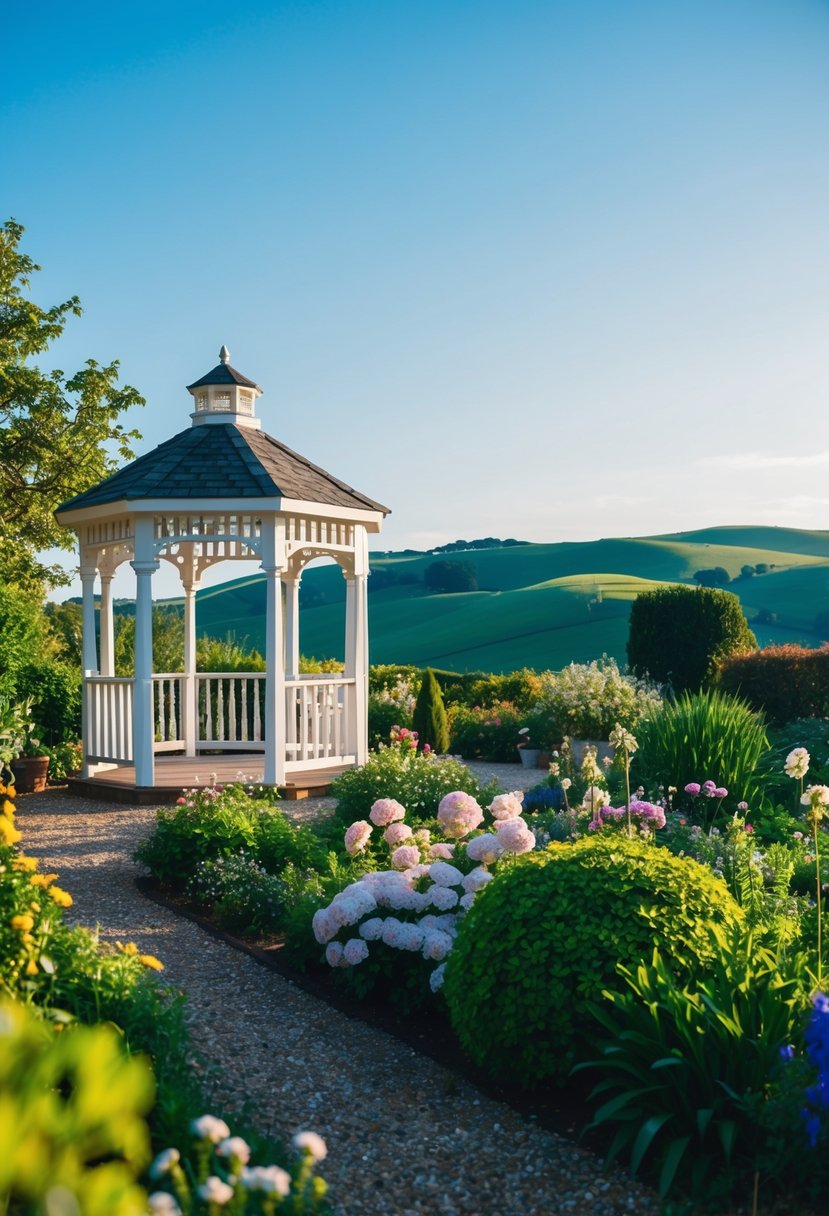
[819, 895]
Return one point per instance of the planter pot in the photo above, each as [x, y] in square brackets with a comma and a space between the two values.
[529, 756]
[579, 746]
[30, 774]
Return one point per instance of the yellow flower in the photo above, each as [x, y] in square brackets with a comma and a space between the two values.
[24, 863]
[34, 905]
[149, 960]
[8, 832]
[31, 967]
[7, 808]
[22, 923]
[130, 948]
[62, 898]
[42, 880]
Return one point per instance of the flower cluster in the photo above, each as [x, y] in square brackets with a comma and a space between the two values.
[708, 789]
[590, 699]
[224, 1176]
[649, 816]
[797, 763]
[816, 1038]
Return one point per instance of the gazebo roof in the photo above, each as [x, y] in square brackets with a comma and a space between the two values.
[227, 462]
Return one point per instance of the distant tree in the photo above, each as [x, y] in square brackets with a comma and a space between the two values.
[168, 641]
[429, 718]
[58, 435]
[717, 576]
[65, 624]
[747, 571]
[761, 568]
[448, 576]
[679, 634]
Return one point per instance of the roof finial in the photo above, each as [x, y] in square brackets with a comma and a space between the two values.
[224, 355]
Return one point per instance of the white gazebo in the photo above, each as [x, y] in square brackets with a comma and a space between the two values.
[222, 490]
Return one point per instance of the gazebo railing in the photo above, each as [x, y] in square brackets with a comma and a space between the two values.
[230, 707]
[108, 719]
[168, 712]
[319, 717]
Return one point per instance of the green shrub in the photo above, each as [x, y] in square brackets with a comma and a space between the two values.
[699, 737]
[55, 691]
[485, 734]
[546, 936]
[679, 634]
[785, 682]
[429, 717]
[241, 895]
[586, 700]
[22, 629]
[383, 715]
[688, 1066]
[417, 781]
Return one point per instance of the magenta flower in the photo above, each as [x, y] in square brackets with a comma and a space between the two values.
[720, 792]
[708, 788]
[692, 788]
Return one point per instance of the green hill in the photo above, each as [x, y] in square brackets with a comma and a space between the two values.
[540, 605]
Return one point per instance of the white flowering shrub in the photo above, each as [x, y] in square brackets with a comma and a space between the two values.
[589, 699]
[410, 911]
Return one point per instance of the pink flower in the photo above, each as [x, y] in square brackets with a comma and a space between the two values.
[404, 857]
[396, 833]
[385, 811]
[441, 852]
[693, 788]
[506, 806]
[459, 813]
[514, 836]
[181, 802]
[720, 792]
[749, 828]
[356, 837]
[708, 788]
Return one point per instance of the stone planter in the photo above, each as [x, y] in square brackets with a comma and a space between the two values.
[529, 756]
[579, 746]
[30, 774]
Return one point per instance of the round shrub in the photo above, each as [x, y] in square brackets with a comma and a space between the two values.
[546, 936]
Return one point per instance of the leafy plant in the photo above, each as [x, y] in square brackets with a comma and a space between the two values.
[240, 893]
[547, 935]
[686, 1063]
[587, 700]
[487, 734]
[702, 735]
[429, 717]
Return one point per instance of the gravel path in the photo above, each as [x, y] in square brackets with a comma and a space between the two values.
[405, 1137]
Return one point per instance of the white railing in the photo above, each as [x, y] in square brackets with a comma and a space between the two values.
[108, 718]
[168, 712]
[230, 708]
[319, 714]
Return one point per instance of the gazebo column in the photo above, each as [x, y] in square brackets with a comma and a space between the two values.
[356, 661]
[90, 646]
[190, 707]
[145, 567]
[273, 548]
[291, 660]
[107, 627]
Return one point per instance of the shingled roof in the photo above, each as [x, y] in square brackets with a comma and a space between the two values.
[223, 461]
[223, 373]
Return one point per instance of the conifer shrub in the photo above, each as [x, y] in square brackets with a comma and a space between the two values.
[545, 938]
[786, 682]
[429, 717]
[679, 635]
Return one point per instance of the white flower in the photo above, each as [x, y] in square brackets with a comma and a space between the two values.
[234, 1146]
[484, 848]
[436, 945]
[334, 954]
[214, 1190]
[566, 783]
[467, 901]
[816, 795]
[476, 880]
[269, 1179]
[208, 1127]
[445, 875]
[506, 806]
[310, 1142]
[372, 929]
[443, 898]
[164, 1162]
[441, 851]
[355, 951]
[160, 1203]
[797, 763]
[436, 978]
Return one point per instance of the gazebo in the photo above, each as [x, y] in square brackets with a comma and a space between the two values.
[222, 490]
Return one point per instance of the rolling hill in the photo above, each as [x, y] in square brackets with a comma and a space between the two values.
[541, 605]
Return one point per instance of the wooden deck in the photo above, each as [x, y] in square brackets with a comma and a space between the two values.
[173, 774]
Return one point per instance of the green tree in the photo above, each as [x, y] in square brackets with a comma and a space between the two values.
[717, 576]
[445, 576]
[429, 718]
[57, 432]
[679, 634]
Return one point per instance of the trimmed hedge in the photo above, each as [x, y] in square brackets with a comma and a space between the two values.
[786, 682]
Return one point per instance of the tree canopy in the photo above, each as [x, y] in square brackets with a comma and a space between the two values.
[59, 434]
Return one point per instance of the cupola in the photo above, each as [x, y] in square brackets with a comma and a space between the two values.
[225, 395]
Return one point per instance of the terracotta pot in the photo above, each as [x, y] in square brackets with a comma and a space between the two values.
[30, 774]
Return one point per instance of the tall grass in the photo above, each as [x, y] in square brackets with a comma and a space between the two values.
[702, 736]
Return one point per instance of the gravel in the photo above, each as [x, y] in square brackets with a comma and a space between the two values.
[406, 1137]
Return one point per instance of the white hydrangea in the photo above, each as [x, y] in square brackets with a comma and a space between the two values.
[355, 951]
[443, 898]
[334, 954]
[372, 929]
[476, 880]
[467, 901]
[436, 945]
[436, 978]
[486, 849]
[445, 875]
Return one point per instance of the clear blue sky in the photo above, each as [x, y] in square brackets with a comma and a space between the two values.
[536, 269]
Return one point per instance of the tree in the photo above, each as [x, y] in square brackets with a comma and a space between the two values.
[451, 576]
[429, 717]
[53, 429]
[679, 634]
[718, 576]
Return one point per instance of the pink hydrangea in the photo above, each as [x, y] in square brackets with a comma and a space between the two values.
[356, 837]
[443, 898]
[485, 849]
[385, 811]
[514, 836]
[507, 806]
[334, 954]
[396, 833]
[407, 855]
[459, 814]
[355, 951]
[441, 852]
[445, 875]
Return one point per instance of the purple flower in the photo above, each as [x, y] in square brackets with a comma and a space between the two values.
[708, 788]
[742, 806]
[720, 792]
[692, 788]
[787, 1053]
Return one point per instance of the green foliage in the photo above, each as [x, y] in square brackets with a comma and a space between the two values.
[780, 789]
[241, 895]
[21, 631]
[65, 625]
[168, 641]
[546, 936]
[58, 435]
[429, 717]
[699, 737]
[418, 782]
[217, 654]
[586, 700]
[678, 635]
[785, 682]
[687, 1064]
[71, 1117]
[55, 693]
[716, 576]
[485, 734]
[449, 576]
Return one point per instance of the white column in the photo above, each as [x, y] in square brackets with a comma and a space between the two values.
[145, 567]
[272, 551]
[291, 627]
[361, 666]
[189, 704]
[90, 646]
[107, 627]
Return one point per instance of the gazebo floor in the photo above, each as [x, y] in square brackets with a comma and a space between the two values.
[173, 774]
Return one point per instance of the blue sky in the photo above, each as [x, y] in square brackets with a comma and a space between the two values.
[546, 270]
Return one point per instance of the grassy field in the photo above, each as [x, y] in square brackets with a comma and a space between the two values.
[541, 605]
